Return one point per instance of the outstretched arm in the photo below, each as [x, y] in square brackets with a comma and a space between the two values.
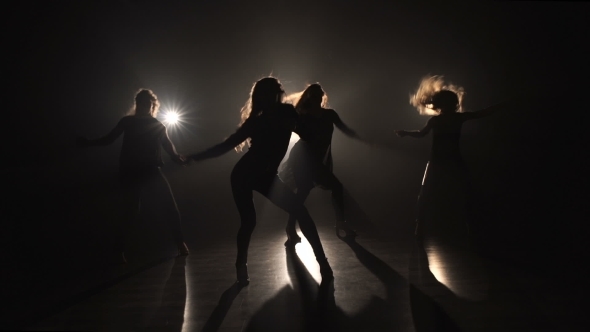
[485, 112]
[343, 127]
[229, 144]
[416, 133]
[105, 140]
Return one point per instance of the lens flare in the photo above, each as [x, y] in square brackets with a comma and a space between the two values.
[180, 119]
[171, 117]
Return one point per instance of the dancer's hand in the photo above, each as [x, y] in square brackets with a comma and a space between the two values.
[401, 133]
[181, 160]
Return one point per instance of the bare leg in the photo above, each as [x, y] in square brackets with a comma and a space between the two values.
[292, 236]
[323, 176]
[304, 184]
[241, 184]
[280, 194]
[247, 212]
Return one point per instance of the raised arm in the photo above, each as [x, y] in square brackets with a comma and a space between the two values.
[227, 145]
[105, 140]
[416, 133]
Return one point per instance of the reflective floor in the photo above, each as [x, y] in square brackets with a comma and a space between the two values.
[384, 281]
[380, 285]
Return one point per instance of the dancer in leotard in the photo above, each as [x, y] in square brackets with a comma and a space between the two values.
[266, 127]
[444, 102]
[310, 160]
[139, 165]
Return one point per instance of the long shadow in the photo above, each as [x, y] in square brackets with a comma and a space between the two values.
[355, 215]
[41, 313]
[303, 282]
[154, 301]
[495, 313]
[298, 308]
[70, 258]
[309, 307]
[427, 314]
[380, 314]
[388, 276]
[223, 306]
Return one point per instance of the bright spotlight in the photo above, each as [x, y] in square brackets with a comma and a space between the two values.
[171, 117]
[176, 118]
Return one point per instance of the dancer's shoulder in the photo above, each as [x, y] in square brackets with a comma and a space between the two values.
[288, 110]
[331, 114]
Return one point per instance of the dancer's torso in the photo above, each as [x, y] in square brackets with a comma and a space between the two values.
[141, 142]
[269, 139]
[446, 130]
[316, 132]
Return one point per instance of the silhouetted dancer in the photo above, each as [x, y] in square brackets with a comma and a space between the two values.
[266, 125]
[444, 102]
[139, 165]
[310, 161]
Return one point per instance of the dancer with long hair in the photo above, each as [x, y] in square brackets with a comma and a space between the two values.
[444, 103]
[310, 161]
[266, 126]
[139, 165]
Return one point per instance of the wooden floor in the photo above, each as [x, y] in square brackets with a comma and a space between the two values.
[381, 284]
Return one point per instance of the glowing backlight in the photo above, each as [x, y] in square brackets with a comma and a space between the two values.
[171, 117]
[305, 253]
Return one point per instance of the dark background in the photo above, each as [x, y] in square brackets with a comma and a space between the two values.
[72, 69]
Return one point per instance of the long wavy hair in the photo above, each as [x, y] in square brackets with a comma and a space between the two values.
[302, 101]
[146, 99]
[266, 93]
[434, 96]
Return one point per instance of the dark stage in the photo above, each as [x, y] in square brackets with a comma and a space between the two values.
[73, 69]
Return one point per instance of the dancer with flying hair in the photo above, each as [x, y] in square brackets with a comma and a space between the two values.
[443, 102]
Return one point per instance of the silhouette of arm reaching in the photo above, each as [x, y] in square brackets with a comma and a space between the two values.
[171, 150]
[105, 140]
[343, 127]
[416, 133]
[348, 131]
[485, 112]
[230, 143]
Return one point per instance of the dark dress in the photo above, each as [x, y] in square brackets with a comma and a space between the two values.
[141, 154]
[446, 192]
[140, 175]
